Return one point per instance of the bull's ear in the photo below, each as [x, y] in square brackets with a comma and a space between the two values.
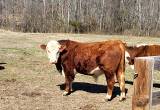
[43, 46]
[62, 48]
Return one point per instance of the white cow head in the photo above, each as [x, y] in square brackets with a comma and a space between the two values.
[53, 49]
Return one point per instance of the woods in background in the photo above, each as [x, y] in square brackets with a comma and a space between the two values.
[135, 17]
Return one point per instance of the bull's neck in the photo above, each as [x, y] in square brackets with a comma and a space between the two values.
[134, 51]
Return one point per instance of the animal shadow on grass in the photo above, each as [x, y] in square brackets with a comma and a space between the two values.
[2, 67]
[129, 82]
[92, 88]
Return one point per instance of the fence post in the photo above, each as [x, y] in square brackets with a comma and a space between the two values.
[142, 96]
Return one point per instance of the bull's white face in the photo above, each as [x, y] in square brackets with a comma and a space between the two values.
[53, 52]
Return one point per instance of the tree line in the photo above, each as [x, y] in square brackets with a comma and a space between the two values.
[135, 17]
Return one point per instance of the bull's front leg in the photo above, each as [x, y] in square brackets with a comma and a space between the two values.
[68, 84]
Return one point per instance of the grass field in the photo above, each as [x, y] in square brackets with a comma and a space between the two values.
[28, 82]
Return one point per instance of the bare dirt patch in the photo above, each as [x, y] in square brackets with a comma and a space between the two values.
[31, 94]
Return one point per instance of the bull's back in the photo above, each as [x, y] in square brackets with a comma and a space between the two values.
[153, 50]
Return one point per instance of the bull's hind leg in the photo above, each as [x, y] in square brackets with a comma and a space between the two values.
[121, 76]
[121, 80]
[110, 86]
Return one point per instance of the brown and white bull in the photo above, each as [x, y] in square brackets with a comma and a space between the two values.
[141, 51]
[106, 57]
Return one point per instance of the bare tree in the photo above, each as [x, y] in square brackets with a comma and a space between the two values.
[137, 17]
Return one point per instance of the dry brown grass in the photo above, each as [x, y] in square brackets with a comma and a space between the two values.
[27, 82]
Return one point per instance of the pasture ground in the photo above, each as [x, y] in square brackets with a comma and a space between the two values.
[28, 82]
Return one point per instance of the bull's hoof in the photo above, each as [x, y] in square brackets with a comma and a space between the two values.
[66, 93]
[108, 98]
[122, 99]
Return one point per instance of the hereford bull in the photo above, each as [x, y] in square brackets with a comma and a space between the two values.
[106, 57]
[141, 51]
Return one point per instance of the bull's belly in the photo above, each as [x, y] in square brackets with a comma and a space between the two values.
[94, 72]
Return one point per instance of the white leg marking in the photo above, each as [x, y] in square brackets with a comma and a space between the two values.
[108, 97]
[65, 93]
[122, 96]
